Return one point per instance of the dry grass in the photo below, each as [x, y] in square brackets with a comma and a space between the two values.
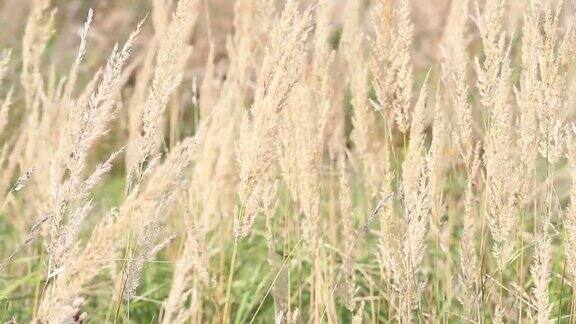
[303, 161]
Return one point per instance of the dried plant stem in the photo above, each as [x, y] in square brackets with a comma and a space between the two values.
[226, 313]
[284, 263]
[232, 268]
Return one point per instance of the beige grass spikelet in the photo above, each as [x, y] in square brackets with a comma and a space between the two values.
[86, 122]
[456, 70]
[529, 96]
[165, 80]
[216, 170]
[401, 64]
[542, 267]
[347, 234]
[380, 58]
[390, 228]
[416, 203]
[190, 275]
[552, 62]
[437, 170]
[489, 23]
[280, 71]
[366, 132]
[36, 35]
[502, 191]
[570, 215]
[162, 185]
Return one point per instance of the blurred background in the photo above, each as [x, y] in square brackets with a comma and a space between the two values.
[114, 20]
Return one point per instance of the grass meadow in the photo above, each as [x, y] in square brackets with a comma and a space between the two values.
[297, 161]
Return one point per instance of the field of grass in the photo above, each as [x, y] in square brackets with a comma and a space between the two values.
[297, 161]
